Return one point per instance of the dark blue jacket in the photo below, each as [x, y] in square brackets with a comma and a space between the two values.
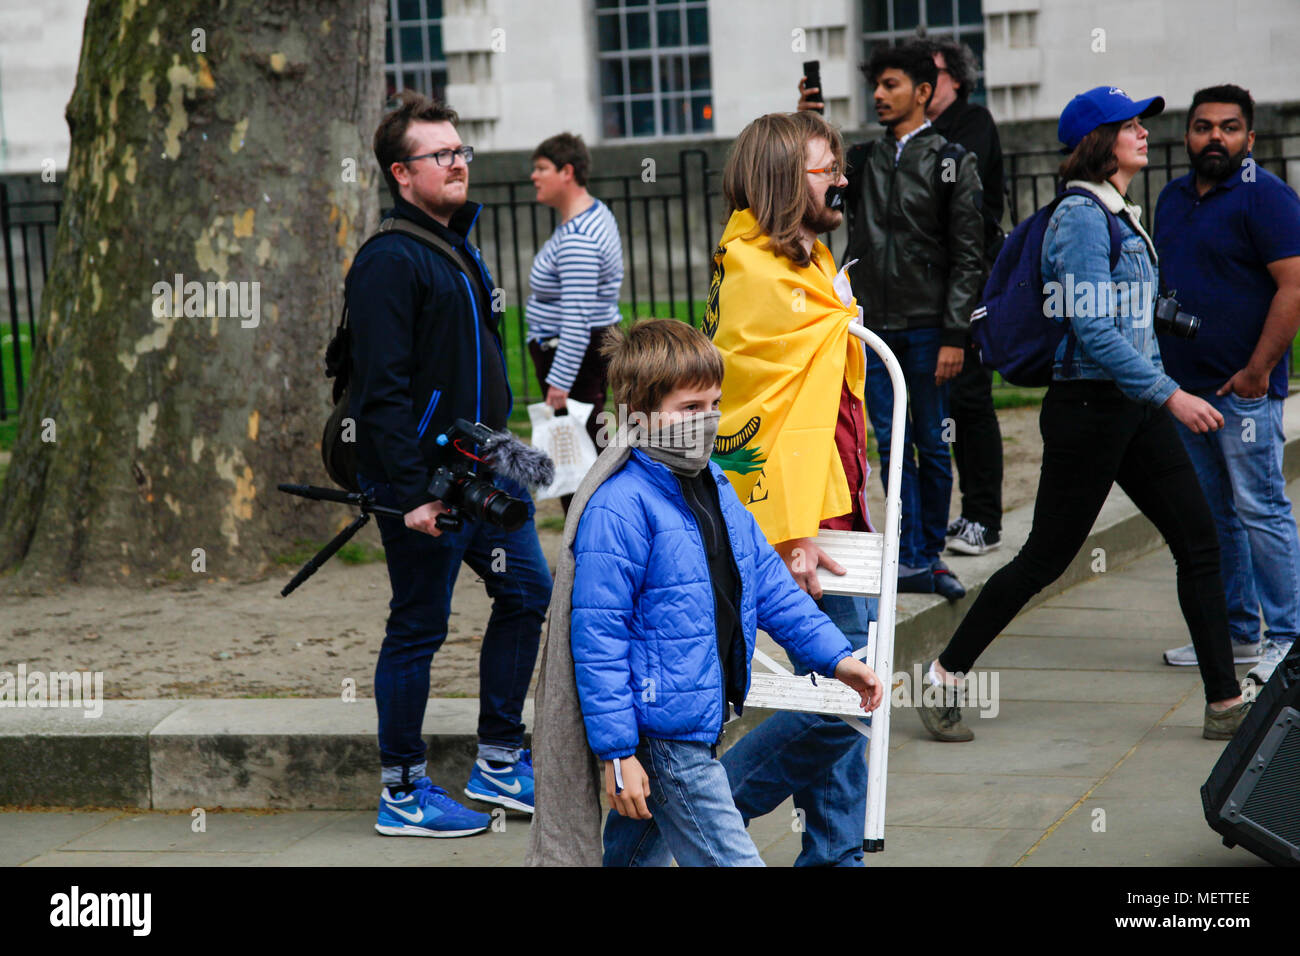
[643, 626]
[426, 350]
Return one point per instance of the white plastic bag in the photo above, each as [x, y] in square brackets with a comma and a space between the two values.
[565, 439]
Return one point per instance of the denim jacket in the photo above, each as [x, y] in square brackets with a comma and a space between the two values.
[1110, 312]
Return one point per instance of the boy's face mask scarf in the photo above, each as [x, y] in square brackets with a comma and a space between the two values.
[685, 445]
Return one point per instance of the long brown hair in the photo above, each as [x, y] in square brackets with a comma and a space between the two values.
[1093, 160]
[765, 174]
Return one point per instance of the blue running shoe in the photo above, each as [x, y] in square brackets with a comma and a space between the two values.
[508, 785]
[427, 811]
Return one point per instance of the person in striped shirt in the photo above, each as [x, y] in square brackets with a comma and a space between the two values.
[574, 282]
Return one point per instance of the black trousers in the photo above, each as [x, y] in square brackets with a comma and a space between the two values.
[1093, 436]
[589, 385]
[977, 448]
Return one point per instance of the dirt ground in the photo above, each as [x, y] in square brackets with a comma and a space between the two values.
[219, 639]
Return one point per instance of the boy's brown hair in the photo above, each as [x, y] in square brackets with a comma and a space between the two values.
[654, 358]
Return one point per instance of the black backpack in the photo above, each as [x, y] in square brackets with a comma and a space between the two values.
[338, 449]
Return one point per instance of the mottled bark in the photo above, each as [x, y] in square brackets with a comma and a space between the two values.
[236, 154]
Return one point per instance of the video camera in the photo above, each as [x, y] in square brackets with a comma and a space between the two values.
[473, 495]
[463, 482]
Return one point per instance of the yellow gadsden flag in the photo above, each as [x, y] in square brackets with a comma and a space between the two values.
[783, 334]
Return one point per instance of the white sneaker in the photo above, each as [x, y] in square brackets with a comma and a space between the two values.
[1185, 656]
[1269, 658]
[974, 538]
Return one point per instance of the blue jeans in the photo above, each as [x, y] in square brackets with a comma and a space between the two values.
[1240, 469]
[694, 817]
[927, 458]
[422, 570]
[819, 760]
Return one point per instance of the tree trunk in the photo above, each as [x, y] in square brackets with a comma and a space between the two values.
[224, 143]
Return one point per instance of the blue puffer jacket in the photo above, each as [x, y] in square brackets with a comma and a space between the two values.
[643, 624]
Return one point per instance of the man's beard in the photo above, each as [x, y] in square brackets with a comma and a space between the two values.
[443, 204]
[1215, 163]
[818, 221]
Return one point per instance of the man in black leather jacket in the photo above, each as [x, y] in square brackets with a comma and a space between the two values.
[426, 350]
[917, 233]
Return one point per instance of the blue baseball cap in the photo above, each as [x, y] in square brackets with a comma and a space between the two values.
[1098, 106]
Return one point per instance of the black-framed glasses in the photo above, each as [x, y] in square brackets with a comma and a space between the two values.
[445, 157]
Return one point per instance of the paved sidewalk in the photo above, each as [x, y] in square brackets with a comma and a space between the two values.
[1095, 758]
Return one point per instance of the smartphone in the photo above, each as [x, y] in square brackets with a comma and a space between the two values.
[812, 70]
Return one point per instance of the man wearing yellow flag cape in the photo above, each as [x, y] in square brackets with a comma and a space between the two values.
[793, 442]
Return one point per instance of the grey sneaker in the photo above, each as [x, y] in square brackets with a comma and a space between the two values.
[1269, 658]
[974, 538]
[1185, 656]
[1222, 724]
[943, 723]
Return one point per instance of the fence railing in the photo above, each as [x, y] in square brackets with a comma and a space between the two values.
[1031, 175]
[27, 233]
[669, 221]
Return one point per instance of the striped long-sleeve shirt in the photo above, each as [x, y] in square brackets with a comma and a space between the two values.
[574, 288]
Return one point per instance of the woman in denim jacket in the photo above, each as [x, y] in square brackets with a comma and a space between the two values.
[1106, 417]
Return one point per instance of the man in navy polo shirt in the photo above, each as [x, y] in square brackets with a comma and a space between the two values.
[1228, 236]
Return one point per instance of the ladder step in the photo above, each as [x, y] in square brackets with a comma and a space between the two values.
[861, 553]
[790, 692]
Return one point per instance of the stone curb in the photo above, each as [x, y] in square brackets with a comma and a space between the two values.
[304, 754]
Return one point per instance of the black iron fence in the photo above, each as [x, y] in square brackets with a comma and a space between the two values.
[1032, 181]
[670, 220]
[27, 224]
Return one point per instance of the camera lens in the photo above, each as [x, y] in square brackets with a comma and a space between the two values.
[509, 513]
[485, 502]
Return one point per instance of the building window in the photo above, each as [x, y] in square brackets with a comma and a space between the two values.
[413, 57]
[655, 75]
[889, 22]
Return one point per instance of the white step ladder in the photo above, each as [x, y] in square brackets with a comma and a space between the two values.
[871, 562]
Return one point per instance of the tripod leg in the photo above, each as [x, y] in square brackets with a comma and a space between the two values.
[325, 553]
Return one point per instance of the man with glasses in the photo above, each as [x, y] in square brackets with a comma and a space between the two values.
[426, 350]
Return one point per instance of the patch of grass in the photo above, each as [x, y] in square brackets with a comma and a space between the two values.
[1010, 397]
[9, 426]
[519, 365]
[354, 552]
[551, 523]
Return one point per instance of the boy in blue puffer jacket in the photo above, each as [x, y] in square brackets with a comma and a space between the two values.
[672, 578]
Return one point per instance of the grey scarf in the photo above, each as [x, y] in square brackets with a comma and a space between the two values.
[567, 818]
